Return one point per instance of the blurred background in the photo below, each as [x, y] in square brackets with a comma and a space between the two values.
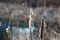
[14, 19]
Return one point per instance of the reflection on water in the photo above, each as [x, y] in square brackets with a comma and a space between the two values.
[21, 33]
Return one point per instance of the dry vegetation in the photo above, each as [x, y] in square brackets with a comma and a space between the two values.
[21, 12]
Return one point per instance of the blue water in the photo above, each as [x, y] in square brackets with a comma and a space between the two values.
[21, 32]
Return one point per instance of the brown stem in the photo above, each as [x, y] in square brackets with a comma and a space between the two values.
[41, 33]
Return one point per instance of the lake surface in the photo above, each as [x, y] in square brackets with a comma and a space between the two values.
[22, 33]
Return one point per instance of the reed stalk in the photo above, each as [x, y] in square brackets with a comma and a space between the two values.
[31, 23]
[41, 27]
